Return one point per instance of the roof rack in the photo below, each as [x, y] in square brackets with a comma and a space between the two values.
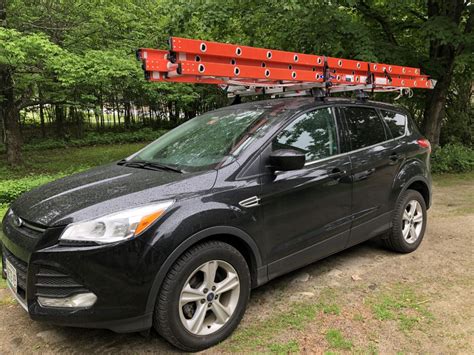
[245, 71]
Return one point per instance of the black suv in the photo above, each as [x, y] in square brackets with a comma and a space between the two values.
[175, 236]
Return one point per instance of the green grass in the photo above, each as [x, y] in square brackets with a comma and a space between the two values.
[403, 305]
[40, 168]
[260, 334]
[330, 309]
[65, 161]
[336, 340]
[446, 180]
[284, 348]
[3, 283]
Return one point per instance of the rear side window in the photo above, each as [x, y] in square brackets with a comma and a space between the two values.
[313, 133]
[395, 121]
[365, 126]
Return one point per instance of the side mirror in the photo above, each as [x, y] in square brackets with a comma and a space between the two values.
[287, 159]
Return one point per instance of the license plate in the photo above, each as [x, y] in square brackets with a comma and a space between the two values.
[11, 275]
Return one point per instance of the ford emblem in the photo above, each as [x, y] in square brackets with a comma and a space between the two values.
[17, 221]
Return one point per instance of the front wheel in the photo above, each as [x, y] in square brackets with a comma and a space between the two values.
[408, 224]
[203, 296]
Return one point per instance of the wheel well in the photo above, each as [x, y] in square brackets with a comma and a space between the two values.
[243, 248]
[422, 188]
[238, 244]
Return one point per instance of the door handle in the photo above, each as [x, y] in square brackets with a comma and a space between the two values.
[336, 173]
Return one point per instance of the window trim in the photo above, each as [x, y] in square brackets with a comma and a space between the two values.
[405, 128]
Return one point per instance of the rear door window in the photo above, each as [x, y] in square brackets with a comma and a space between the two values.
[365, 126]
[395, 121]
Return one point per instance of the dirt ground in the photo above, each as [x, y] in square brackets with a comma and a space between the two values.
[364, 300]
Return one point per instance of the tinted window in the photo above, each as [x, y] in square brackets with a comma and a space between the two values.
[313, 133]
[395, 121]
[365, 126]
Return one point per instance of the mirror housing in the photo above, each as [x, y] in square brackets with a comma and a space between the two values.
[287, 159]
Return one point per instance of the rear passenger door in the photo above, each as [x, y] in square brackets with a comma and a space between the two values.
[375, 162]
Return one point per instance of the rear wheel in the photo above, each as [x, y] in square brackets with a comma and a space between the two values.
[408, 224]
[203, 296]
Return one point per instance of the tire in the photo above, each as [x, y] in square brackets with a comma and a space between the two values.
[179, 322]
[397, 239]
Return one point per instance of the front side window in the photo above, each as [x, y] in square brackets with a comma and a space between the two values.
[205, 141]
[365, 126]
[314, 134]
[395, 121]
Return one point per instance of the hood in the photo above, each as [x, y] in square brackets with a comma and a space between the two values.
[106, 189]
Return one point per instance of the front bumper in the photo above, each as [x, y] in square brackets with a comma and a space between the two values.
[120, 275]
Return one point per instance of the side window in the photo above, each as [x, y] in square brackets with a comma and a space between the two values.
[314, 134]
[395, 121]
[365, 126]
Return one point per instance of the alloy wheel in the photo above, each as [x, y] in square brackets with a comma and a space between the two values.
[412, 221]
[209, 297]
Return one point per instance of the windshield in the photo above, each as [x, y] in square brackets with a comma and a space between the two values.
[206, 141]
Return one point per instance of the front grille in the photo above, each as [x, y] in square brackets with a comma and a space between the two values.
[21, 272]
[53, 283]
[29, 229]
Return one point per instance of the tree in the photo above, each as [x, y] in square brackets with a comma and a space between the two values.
[449, 26]
[433, 34]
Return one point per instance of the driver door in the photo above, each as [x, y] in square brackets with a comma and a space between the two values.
[307, 212]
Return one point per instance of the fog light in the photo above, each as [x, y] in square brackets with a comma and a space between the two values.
[80, 300]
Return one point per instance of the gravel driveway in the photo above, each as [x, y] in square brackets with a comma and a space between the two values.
[365, 300]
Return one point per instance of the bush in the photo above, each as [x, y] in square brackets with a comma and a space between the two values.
[11, 189]
[452, 158]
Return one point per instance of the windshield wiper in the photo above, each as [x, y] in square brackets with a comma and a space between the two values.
[141, 164]
[163, 167]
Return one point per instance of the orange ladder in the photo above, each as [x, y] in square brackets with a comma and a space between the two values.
[244, 70]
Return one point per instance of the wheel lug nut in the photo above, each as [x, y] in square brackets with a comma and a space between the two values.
[217, 296]
[205, 290]
[209, 304]
[213, 288]
[203, 300]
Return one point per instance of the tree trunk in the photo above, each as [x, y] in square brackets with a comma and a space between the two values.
[434, 107]
[442, 59]
[41, 113]
[127, 114]
[10, 115]
[59, 117]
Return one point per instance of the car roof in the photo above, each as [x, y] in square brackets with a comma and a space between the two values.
[296, 104]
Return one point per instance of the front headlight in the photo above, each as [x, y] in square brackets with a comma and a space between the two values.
[117, 226]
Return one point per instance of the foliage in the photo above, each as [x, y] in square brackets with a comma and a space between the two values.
[95, 138]
[76, 57]
[11, 189]
[452, 158]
